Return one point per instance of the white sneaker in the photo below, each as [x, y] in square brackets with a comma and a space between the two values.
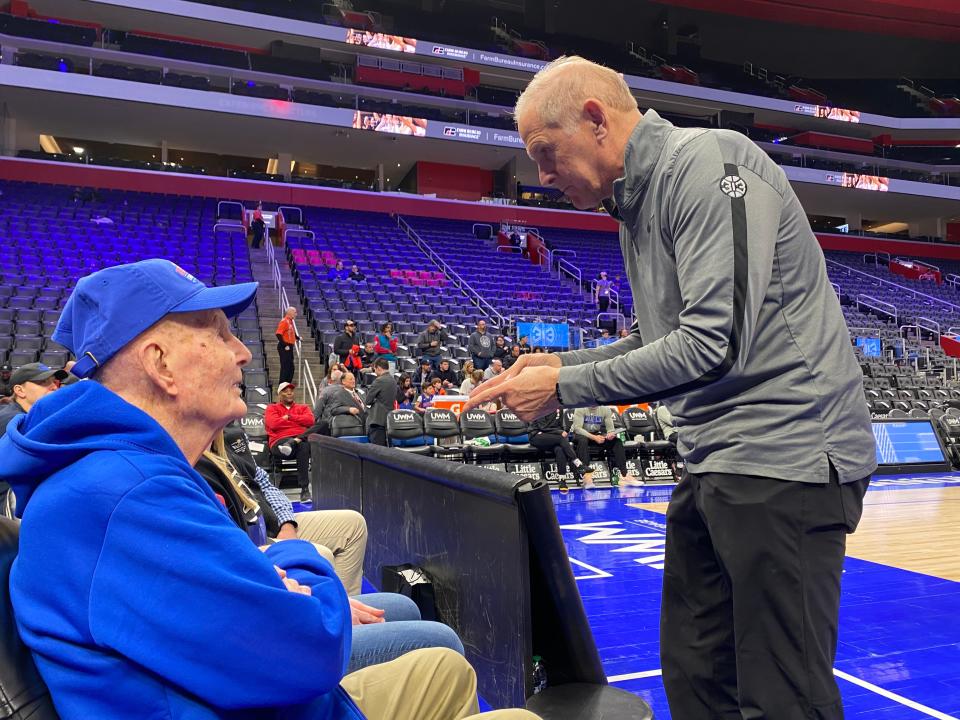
[630, 481]
[285, 450]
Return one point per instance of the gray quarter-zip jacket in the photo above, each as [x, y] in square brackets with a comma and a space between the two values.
[738, 329]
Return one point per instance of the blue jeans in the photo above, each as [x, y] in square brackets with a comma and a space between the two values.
[480, 363]
[402, 631]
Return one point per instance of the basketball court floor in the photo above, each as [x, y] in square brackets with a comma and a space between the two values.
[899, 649]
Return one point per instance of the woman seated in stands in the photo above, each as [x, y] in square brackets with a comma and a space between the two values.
[466, 372]
[406, 393]
[501, 350]
[385, 625]
[467, 386]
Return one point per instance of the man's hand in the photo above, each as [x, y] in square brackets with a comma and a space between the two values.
[494, 383]
[291, 584]
[609, 436]
[434, 343]
[563, 433]
[531, 393]
[364, 614]
[354, 411]
[288, 531]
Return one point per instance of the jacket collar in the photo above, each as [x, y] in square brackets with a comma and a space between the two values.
[639, 159]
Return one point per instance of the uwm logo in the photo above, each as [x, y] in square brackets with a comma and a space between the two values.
[404, 417]
[637, 415]
[476, 416]
[509, 416]
[441, 415]
[252, 421]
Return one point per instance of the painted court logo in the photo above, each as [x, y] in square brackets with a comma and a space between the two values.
[733, 186]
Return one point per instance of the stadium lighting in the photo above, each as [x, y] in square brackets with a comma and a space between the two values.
[78, 150]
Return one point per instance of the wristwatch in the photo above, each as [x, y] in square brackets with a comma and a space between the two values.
[559, 396]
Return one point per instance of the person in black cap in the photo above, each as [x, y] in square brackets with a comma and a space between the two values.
[28, 384]
[6, 387]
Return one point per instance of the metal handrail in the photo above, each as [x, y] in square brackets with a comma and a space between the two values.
[508, 249]
[290, 207]
[904, 288]
[621, 323]
[570, 269]
[230, 203]
[458, 282]
[932, 325]
[836, 288]
[229, 227]
[865, 300]
[952, 279]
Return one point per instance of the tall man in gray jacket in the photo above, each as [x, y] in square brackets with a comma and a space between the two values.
[739, 330]
[381, 397]
[480, 345]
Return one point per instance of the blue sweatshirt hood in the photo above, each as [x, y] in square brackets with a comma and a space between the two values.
[49, 437]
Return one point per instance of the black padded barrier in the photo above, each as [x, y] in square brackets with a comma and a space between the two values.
[492, 545]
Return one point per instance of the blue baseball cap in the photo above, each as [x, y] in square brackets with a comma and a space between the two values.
[109, 308]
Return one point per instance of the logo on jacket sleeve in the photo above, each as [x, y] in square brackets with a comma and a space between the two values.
[733, 186]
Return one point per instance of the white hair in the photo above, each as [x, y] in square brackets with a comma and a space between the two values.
[560, 88]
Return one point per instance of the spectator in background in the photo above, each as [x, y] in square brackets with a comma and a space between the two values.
[385, 345]
[287, 424]
[354, 362]
[601, 292]
[346, 400]
[334, 372]
[338, 272]
[538, 349]
[547, 433]
[500, 349]
[343, 342]
[28, 384]
[6, 387]
[466, 370]
[407, 398]
[510, 359]
[431, 342]
[258, 226]
[447, 375]
[426, 398]
[286, 338]
[481, 346]
[496, 367]
[368, 354]
[423, 374]
[356, 275]
[321, 410]
[469, 383]
[381, 399]
[594, 426]
[525, 348]
[622, 333]
[404, 383]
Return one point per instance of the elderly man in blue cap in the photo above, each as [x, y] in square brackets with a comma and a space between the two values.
[134, 590]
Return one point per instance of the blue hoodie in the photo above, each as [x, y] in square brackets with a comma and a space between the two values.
[137, 594]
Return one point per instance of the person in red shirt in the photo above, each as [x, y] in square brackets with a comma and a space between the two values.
[286, 338]
[286, 423]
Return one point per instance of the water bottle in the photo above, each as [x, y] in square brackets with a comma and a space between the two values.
[539, 675]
